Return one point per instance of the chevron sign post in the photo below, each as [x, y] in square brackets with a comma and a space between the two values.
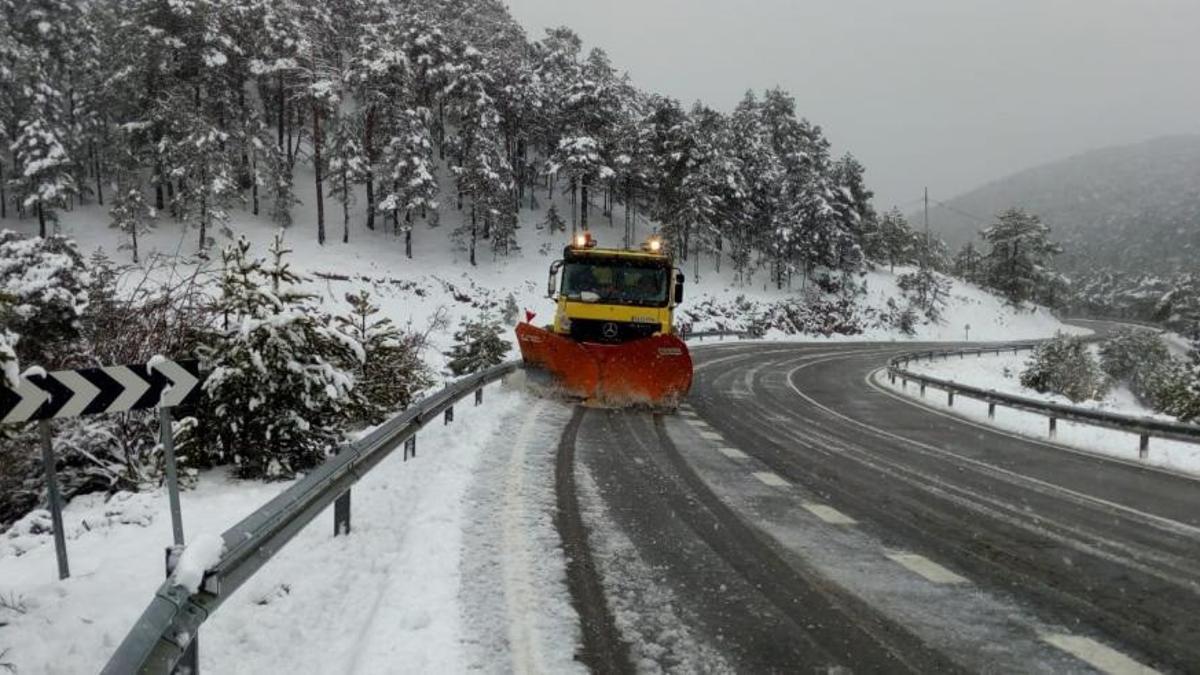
[42, 396]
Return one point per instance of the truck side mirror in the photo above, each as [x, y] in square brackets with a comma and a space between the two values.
[678, 287]
[550, 283]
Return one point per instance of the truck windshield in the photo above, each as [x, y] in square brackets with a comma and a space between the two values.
[615, 283]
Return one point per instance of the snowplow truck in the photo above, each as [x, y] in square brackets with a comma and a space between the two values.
[613, 338]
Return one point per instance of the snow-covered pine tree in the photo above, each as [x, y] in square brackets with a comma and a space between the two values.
[929, 290]
[761, 172]
[199, 162]
[968, 264]
[553, 223]
[1020, 255]
[392, 373]
[899, 241]
[406, 172]
[478, 344]
[130, 212]
[347, 166]
[44, 282]
[480, 166]
[45, 179]
[511, 312]
[280, 373]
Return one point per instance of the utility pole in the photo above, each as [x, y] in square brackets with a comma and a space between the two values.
[925, 258]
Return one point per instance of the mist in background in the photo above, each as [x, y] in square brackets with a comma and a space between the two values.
[945, 93]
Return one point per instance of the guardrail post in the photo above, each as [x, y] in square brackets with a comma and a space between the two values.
[341, 514]
[410, 447]
[448, 416]
[479, 396]
[950, 398]
[49, 465]
[190, 661]
[991, 410]
[1053, 427]
[1144, 446]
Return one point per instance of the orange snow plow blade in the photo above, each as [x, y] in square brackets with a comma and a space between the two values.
[655, 370]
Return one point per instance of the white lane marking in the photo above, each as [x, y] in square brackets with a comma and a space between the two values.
[697, 422]
[1100, 656]
[731, 453]
[710, 435]
[828, 514]
[769, 478]
[926, 568]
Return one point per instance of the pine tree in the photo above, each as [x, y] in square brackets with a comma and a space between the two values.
[46, 180]
[477, 345]
[347, 167]
[130, 212]
[391, 374]
[968, 264]
[553, 222]
[279, 382]
[1020, 256]
[898, 240]
[43, 282]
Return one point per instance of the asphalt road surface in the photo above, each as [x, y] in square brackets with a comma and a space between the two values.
[796, 517]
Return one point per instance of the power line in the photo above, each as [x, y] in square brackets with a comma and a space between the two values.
[960, 212]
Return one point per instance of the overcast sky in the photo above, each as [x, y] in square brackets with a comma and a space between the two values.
[944, 93]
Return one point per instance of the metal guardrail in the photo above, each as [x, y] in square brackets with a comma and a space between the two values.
[169, 625]
[719, 334]
[1145, 427]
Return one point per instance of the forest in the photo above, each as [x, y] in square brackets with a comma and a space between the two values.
[194, 109]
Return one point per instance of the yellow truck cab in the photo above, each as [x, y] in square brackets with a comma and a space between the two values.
[611, 296]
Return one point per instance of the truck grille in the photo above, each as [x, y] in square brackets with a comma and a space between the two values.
[610, 332]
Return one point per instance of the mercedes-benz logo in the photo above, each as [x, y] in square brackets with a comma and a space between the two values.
[610, 330]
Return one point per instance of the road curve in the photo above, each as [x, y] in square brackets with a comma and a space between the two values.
[796, 517]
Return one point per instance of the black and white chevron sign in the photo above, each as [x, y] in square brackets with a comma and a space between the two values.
[90, 391]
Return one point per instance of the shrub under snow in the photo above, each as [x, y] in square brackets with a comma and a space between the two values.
[1065, 366]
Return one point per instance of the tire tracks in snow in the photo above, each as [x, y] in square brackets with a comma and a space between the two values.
[603, 649]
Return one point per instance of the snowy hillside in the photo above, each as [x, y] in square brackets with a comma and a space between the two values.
[1133, 208]
[439, 280]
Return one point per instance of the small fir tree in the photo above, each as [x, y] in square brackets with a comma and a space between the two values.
[553, 223]
[391, 374]
[477, 345]
[279, 381]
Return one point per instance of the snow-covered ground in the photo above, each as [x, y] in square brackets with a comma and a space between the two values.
[1001, 373]
[453, 565]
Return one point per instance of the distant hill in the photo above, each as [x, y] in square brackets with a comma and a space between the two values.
[1133, 207]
